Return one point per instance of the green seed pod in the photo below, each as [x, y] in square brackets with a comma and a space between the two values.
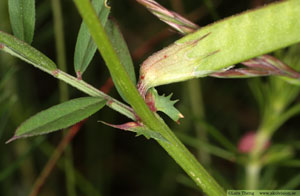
[218, 46]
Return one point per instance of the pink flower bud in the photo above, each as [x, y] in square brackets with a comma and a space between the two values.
[247, 142]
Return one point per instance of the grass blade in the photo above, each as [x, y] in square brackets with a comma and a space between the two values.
[58, 117]
[85, 47]
[22, 18]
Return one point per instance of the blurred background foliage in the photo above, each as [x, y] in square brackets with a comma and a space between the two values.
[218, 113]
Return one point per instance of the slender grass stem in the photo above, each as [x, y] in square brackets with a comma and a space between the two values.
[174, 147]
[60, 46]
[197, 107]
[254, 165]
[264, 134]
[63, 88]
[253, 174]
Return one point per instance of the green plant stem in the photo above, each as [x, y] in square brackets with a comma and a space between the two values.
[63, 88]
[290, 113]
[263, 135]
[206, 147]
[254, 165]
[60, 46]
[174, 147]
[273, 119]
[197, 107]
[92, 91]
[252, 175]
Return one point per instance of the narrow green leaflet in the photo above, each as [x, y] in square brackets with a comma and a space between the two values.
[120, 45]
[58, 117]
[121, 48]
[22, 18]
[20, 49]
[85, 47]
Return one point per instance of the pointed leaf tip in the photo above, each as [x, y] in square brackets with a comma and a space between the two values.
[11, 140]
[59, 117]
[126, 126]
[139, 129]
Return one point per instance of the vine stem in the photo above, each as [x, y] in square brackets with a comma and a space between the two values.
[174, 147]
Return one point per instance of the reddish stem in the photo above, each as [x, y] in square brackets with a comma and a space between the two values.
[55, 157]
